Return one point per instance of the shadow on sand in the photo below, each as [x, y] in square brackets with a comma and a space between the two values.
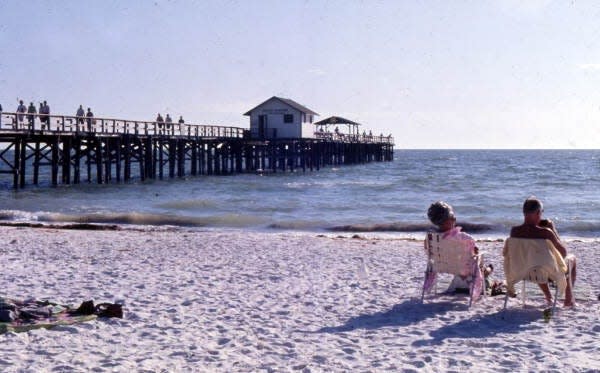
[403, 314]
[413, 312]
[511, 321]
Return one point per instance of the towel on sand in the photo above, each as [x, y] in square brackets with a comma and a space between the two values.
[536, 260]
[25, 315]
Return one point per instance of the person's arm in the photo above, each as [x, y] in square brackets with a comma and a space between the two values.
[550, 235]
[547, 223]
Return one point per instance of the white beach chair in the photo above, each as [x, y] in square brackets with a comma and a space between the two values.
[452, 256]
[535, 260]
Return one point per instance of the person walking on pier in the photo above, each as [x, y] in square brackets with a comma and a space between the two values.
[80, 114]
[160, 123]
[31, 118]
[90, 119]
[21, 109]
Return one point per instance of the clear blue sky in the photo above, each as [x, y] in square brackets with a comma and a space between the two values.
[435, 74]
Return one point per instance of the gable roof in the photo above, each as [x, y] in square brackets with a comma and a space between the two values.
[287, 101]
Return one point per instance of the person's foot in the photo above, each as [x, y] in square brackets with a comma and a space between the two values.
[569, 303]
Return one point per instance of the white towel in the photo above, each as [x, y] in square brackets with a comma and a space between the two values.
[535, 260]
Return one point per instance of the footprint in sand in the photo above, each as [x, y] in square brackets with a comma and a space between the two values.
[223, 341]
[319, 359]
[348, 350]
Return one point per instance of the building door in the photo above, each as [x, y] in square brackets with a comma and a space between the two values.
[262, 126]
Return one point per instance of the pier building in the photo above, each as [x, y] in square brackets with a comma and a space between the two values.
[281, 118]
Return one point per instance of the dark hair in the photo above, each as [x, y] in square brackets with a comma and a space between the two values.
[439, 212]
[532, 204]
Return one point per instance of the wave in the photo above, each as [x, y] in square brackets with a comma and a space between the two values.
[582, 228]
[409, 227]
[295, 225]
[263, 219]
[17, 215]
[192, 204]
[153, 219]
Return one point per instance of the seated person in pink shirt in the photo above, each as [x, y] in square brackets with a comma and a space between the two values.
[441, 214]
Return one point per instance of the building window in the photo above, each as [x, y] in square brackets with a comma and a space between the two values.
[310, 118]
[288, 118]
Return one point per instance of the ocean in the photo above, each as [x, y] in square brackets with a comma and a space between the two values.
[486, 188]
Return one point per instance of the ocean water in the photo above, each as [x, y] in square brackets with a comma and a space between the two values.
[486, 188]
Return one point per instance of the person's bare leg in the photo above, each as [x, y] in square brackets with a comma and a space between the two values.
[574, 272]
[546, 291]
[569, 298]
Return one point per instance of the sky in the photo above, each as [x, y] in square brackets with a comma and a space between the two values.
[502, 74]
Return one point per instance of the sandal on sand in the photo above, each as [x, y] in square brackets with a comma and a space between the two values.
[101, 310]
[86, 308]
[109, 310]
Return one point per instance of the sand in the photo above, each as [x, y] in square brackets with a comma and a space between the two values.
[239, 301]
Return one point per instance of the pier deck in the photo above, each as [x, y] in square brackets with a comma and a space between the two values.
[104, 150]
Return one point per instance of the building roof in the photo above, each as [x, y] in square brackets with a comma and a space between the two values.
[336, 120]
[288, 102]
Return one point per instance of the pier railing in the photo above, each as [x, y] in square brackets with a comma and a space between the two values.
[343, 137]
[107, 126]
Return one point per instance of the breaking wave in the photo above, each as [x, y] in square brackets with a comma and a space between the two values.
[409, 227]
[152, 219]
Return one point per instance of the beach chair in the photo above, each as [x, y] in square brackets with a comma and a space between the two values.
[452, 256]
[535, 260]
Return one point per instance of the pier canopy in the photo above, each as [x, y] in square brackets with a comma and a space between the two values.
[324, 124]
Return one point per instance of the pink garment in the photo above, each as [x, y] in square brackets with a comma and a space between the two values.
[457, 234]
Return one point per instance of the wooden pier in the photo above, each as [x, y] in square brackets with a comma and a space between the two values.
[72, 150]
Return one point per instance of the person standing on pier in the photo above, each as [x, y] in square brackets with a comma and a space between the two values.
[31, 118]
[45, 109]
[181, 121]
[168, 122]
[160, 123]
[80, 114]
[40, 116]
[90, 119]
[21, 109]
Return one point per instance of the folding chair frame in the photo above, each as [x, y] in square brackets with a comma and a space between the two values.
[477, 260]
[525, 280]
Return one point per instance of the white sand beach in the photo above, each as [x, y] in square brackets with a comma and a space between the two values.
[240, 301]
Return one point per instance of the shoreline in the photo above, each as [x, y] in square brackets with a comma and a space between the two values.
[375, 235]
